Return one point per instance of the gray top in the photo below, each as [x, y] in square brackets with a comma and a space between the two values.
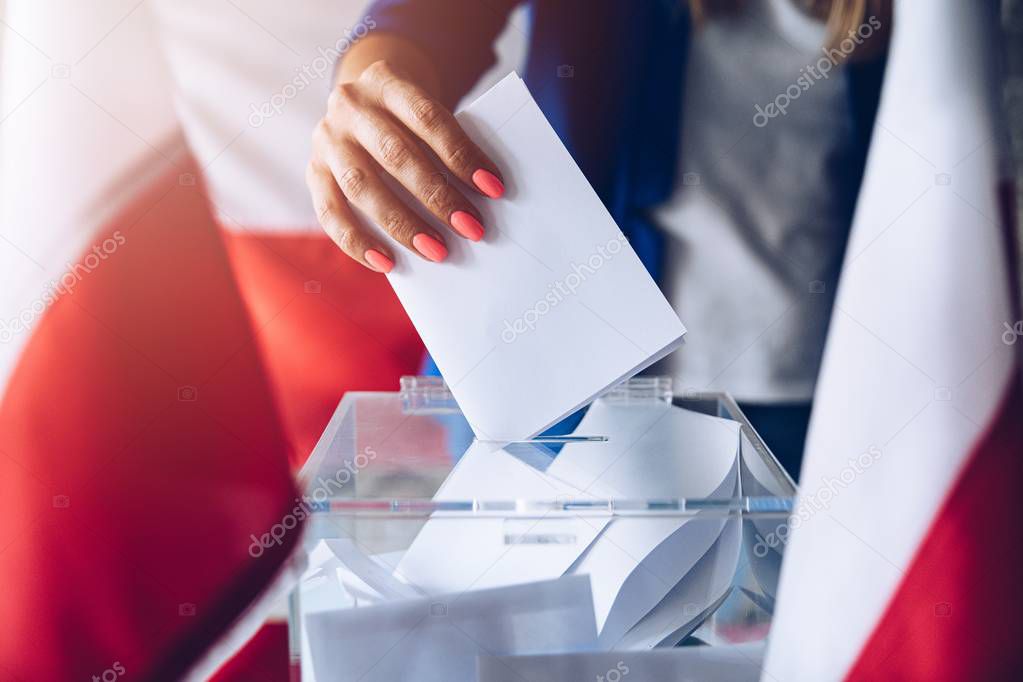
[757, 222]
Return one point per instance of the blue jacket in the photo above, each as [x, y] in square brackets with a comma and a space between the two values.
[608, 74]
[618, 112]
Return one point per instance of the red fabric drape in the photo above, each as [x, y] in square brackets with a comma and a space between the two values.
[147, 430]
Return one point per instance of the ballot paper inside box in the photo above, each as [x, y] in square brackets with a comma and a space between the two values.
[649, 521]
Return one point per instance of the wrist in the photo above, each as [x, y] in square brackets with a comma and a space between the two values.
[403, 55]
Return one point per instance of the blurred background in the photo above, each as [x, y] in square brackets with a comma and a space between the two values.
[179, 132]
[1012, 24]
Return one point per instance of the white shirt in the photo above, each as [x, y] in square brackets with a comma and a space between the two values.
[757, 221]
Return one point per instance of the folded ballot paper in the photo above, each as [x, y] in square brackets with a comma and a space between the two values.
[553, 306]
[653, 451]
[732, 663]
[501, 589]
[439, 639]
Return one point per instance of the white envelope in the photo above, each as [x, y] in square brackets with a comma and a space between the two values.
[553, 306]
[438, 639]
[699, 593]
[736, 663]
[341, 576]
[362, 575]
[453, 553]
[654, 451]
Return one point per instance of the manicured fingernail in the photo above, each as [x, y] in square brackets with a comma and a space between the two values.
[378, 261]
[488, 183]
[430, 247]
[467, 226]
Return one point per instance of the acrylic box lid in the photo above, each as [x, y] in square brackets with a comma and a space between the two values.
[393, 453]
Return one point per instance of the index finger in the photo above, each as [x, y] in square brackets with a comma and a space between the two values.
[431, 122]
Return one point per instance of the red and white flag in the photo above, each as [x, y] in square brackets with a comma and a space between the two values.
[166, 352]
[140, 445]
[904, 554]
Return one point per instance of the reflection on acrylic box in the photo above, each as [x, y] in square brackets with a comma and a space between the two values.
[643, 583]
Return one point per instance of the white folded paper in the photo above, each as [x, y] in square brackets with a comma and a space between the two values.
[366, 578]
[653, 452]
[688, 603]
[553, 306]
[453, 553]
[736, 663]
[438, 639]
[340, 576]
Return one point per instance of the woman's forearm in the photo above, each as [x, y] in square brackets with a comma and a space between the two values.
[403, 56]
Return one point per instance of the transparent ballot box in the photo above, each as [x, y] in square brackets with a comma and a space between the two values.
[649, 521]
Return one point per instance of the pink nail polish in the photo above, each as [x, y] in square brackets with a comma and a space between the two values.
[488, 183]
[467, 226]
[430, 247]
[378, 261]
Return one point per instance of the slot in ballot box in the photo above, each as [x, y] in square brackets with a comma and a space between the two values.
[650, 521]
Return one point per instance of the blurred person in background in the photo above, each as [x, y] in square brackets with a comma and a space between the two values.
[726, 137]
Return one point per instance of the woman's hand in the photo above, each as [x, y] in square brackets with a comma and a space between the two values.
[382, 123]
